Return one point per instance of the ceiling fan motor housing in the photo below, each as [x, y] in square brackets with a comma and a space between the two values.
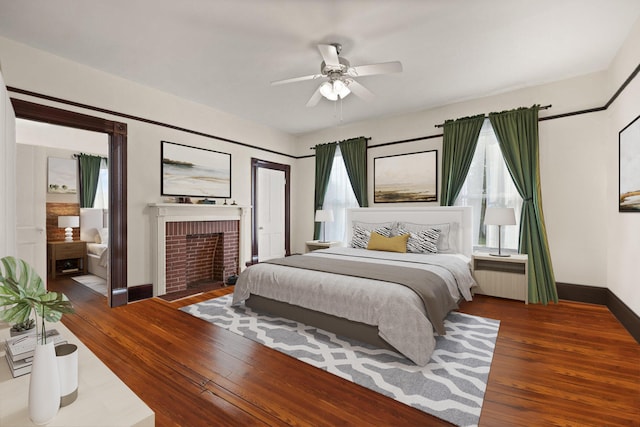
[326, 70]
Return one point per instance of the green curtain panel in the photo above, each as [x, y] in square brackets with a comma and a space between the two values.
[517, 134]
[460, 138]
[354, 154]
[89, 173]
[324, 162]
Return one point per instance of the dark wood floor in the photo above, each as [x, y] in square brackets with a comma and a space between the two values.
[569, 364]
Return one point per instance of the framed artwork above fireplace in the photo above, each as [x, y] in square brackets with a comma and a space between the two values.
[194, 172]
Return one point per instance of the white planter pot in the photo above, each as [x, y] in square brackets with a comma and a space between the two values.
[67, 357]
[44, 385]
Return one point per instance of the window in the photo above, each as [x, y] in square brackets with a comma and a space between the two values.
[102, 192]
[489, 184]
[338, 198]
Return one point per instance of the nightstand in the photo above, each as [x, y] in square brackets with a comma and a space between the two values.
[505, 277]
[66, 258]
[314, 245]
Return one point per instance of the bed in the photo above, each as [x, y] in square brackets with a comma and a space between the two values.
[94, 231]
[357, 292]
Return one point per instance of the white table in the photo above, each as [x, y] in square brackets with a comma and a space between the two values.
[103, 399]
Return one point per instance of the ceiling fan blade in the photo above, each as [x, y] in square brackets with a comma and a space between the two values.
[360, 90]
[315, 98]
[371, 69]
[296, 79]
[329, 54]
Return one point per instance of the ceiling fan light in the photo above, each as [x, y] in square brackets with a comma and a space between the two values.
[340, 88]
[326, 89]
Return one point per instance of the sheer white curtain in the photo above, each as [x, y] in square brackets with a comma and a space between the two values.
[102, 192]
[338, 198]
[489, 184]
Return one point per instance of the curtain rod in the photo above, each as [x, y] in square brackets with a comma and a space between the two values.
[365, 138]
[544, 107]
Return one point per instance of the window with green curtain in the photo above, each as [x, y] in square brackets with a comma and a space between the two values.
[458, 146]
[89, 167]
[517, 134]
[324, 161]
[338, 198]
[489, 184]
[354, 154]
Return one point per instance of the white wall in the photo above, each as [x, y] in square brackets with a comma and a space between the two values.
[41, 72]
[571, 153]
[624, 228]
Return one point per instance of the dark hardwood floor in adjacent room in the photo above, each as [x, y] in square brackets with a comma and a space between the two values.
[569, 364]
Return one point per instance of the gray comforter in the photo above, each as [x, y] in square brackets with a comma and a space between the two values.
[396, 310]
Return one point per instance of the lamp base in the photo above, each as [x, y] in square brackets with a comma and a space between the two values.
[501, 255]
[68, 234]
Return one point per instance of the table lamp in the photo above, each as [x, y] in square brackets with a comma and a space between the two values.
[500, 217]
[324, 215]
[68, 223]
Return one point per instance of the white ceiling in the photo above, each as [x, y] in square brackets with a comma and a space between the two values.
[225, 53]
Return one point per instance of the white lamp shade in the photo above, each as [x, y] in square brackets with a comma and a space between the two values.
[324, 215]
[500, 216]
[68, 221]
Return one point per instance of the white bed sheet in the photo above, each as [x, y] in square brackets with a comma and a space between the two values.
[396, 310]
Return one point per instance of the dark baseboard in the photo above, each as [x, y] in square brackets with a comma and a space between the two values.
[582, 293]
[140, 292]
[602, 296]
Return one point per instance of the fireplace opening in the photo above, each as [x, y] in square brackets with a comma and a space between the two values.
[200, 255]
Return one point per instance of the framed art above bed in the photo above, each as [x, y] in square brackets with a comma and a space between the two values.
[195, 172]
[411, 177]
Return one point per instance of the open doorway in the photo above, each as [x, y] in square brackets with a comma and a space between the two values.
[53, 190]
[117, 171]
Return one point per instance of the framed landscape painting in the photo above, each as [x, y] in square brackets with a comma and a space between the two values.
[411, 177]
[195, 172]
[62, 176]
[629, 139]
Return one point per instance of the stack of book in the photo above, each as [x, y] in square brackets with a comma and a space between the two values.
[19, 350]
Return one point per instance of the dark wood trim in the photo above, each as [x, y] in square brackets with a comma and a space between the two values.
[255, 165]
[142, 119]
[602, 296]
[140, 292]
[582, 293]
[117, 181]
[626, 316]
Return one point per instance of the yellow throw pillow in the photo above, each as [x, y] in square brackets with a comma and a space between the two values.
[378, 242]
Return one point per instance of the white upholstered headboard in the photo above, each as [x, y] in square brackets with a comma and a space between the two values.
[459, 217]
[91, 221]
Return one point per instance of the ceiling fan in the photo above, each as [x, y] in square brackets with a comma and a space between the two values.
[341, 76]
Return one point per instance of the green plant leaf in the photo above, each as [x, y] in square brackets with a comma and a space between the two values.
[22, 290]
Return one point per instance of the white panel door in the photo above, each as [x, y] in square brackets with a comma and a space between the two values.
[271, 214]
[31, 202]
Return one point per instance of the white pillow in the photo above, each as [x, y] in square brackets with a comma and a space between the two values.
[103, 233]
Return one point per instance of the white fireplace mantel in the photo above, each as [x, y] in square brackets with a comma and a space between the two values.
[179, 212]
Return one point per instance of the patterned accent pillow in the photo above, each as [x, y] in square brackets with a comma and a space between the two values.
[422, 242]
[361, 235]
[444, 229]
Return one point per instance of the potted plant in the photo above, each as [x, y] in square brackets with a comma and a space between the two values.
[22, 328]
[22, 292]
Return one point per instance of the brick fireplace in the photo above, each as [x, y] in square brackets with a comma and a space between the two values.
[200, 250]
[197, 242]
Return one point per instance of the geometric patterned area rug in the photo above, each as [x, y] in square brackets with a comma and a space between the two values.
[450, 387]
[95, 283]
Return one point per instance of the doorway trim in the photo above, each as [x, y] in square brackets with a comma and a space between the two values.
[255, 164]
[117, 132]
